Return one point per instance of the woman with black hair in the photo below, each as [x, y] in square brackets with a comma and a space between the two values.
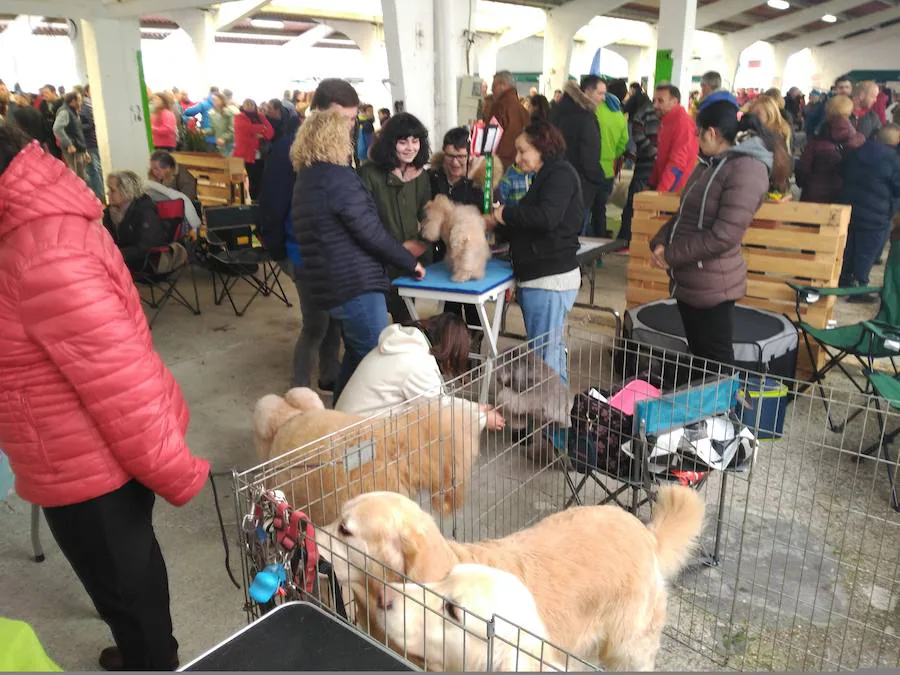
[396, 177]
[701, 246]
[542, 231]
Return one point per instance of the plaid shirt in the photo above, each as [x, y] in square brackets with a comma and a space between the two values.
[514, 185]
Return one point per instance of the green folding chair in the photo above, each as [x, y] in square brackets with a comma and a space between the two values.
[887, 388]
[856, 341]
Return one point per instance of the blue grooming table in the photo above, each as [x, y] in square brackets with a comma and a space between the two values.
[498, 278]
[437, 285]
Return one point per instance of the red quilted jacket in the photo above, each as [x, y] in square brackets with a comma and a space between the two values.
[86, 404]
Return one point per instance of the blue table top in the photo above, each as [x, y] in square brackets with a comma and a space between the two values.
[437, 278]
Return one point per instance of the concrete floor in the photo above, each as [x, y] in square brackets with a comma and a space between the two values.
[225, 363]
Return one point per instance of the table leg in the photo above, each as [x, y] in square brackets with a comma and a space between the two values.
[492, 331]
[410, 307]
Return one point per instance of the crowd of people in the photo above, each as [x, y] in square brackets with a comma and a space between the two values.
[340, 200]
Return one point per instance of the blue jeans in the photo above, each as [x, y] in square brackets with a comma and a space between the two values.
[362, 320]
[546, 312]
[94, 174]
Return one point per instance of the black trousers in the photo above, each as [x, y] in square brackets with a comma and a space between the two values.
[110, 543]
[598, 209]
[254, 177]
[709, 335]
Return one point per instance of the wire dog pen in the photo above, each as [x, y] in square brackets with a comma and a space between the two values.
[801, 542]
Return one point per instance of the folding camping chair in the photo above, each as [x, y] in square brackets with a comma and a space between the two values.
[234, 254]
[887, 388]
[652, 418]
[854, 340]
[161, 283]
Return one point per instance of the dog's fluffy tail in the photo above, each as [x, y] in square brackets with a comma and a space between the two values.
[677, 522]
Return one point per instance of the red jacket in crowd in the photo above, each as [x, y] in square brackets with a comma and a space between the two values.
[88, 405]
[247, 134]
[676, 151]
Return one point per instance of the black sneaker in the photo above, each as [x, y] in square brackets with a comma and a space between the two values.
[111, 660]
[326, 386]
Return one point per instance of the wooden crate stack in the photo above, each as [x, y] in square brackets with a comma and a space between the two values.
[789, 241]
[220, 180]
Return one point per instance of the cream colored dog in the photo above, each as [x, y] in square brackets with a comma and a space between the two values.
[461, 228]
[597, 573]
[445, 623]
[330, 456]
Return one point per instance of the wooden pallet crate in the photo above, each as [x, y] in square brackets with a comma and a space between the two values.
[790, 241]
[220, 180]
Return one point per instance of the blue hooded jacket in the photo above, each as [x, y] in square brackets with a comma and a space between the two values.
[203, 107]
[871, 185]
[276, 229]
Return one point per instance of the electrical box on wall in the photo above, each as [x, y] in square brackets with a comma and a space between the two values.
[469, 99]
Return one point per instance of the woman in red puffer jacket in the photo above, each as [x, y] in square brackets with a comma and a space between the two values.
[92, 420]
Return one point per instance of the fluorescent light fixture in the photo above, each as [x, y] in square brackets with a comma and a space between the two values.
[778, 4]
[54, 24]
[268, 24]
[829, 18]
[161, 30]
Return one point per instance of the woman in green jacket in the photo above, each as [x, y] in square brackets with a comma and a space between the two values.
[396, 177]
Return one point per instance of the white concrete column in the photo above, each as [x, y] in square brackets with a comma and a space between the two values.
[559, 35]
[731, 63]
[77, 40]
[369, 37]
[779, 65]
[451, 19]
[486, 51]
[15, 51]
[201, 28]
[677, 19]
[112, 48]
[409, 40]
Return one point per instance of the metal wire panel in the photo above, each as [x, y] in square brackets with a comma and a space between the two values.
[798, 566]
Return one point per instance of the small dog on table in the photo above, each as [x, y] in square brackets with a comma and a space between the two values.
[461, 228]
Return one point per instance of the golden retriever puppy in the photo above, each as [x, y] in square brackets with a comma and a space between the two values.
[597, 573]
[330, 456]
[444, 624]
[461, 228]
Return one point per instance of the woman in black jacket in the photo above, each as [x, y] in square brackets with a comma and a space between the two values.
[132, 220]
[344, 246]
[542, 230]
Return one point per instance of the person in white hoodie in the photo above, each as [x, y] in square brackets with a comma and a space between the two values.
[412, 359]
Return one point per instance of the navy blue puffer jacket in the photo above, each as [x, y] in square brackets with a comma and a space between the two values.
[344, 246]
[872, 185]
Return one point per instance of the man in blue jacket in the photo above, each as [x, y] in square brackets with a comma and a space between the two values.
[203, 108]
[872, 188]
[816, 115]
[318, 331]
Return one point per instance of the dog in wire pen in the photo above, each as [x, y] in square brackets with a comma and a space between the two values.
[598, 575]
[445, 624]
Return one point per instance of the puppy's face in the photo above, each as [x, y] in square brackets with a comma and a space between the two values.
[376, 534]
[445, 625]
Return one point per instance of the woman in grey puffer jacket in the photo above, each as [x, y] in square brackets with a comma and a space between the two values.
[701, 245]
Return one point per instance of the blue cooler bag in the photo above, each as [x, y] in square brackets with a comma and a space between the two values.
[768, 399]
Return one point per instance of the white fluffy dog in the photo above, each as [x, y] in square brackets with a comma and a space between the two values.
[444, 624]
[461, 228]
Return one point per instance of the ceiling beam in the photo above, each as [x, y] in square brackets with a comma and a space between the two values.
[234, 12]
[73, 9]
[841, 29]
[121, 9]
[721, 10]
[766, 29]
[859, 43]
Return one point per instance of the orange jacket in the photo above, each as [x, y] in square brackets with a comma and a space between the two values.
[87, 403]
